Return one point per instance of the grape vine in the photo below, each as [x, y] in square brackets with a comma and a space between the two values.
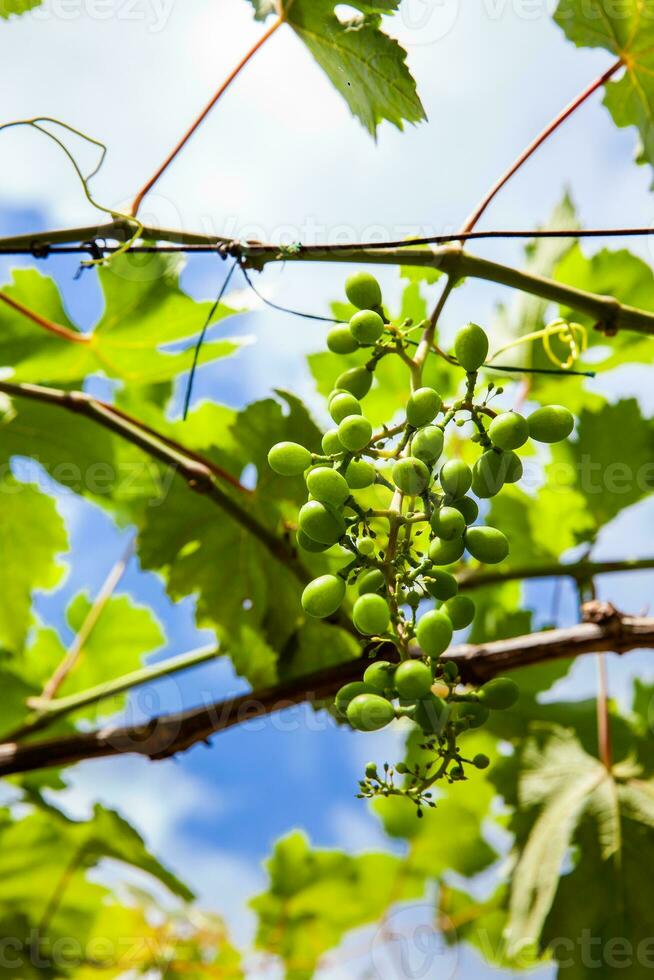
[404, 514]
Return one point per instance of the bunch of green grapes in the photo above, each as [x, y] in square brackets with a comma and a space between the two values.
[399, 574]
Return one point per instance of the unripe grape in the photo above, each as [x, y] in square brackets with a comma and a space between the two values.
[509, 430]
[401, 768]
[423, 406]
[308, 544]
[289, 458]
[551, 423]
[321, 522]
[371, 614]
[441, 584]
[371, 769]
[434, 633]
[369, 712]
[487, 544]
[363, 291]
[468, 507]
[323, 596]
[342, 405]
[460, 610]
[348, 692]
[456, 477]
[513, 468]
[354, 432]
[331, 444]
[360, 474]
[410, 475]
[474, 713]
[447, 523]
[431, 714]
[341, 341]
[327, 485]
[371, 581]
[499, 693]
[357, 381]
[446, 552]
[366, 326]
[481, 761]
[471, 347]
[490, 472]
[413, 679]
[366, 546]
[427, 443]
[456, 773]
[379, 675]
[450, 670]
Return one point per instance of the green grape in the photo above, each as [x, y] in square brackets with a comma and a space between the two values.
[371, 615]
[410, 475]
[371, 581]
[499, 694]
[551, 423]
[360, 474]
[446, 552]
[441, 584]
[461, 610]
[474, 713]
[363, 291]
[450, 670]
[366, 546]
[289, 458]
[509, 430]
[487, 544]
[357, 381]
[456, 772]
[321, 522]
[513, 468]
[447, 523]
[331, 444]
[427, 443]
[481, 761]
[341, 341]
[327, 486]
[489, 473]
[369, 712]
[431, 714]
[366, 326]
[468, 507]
[323, 596]
[354, 432]
[308, 544]
[471, 347]
[371, 770]
[342, 405]
[423, 406]
[456, 477]
[348, 692]
[413, 679]
[379, 675]
[434, 633]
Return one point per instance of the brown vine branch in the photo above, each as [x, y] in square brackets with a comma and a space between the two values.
[537, 142]
[203, 115]
[169, 734]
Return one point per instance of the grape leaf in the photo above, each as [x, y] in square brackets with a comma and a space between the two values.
[363, 63]
[9, 7]
[32, 534]
[316, 896]
[625, 28]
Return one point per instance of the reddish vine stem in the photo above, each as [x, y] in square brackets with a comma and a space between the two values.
[179, 146]
[603, 719]
[55, 328]
[538, 141]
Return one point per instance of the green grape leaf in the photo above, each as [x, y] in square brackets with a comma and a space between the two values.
[363, 63]
[625, 29]
[316, 896]
[499, 613]
[143, 335]
[32, 534]
[9, 7]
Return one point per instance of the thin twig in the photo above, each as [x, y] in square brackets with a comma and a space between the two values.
[55, 328]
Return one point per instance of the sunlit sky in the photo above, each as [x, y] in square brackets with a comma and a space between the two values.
[282, 159]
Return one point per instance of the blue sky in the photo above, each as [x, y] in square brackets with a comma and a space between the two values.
[282, 158]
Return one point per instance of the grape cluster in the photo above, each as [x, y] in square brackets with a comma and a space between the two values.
[400, 555]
